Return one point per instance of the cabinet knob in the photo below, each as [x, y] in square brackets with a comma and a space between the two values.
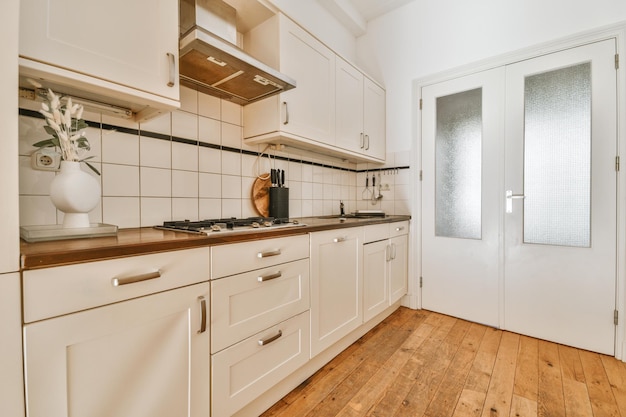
[340, 239]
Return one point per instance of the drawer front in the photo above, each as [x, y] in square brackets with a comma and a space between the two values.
[398, 228]
[60, 290]
[375, 232]
[247, 256]
[246, 370]
[244, 304]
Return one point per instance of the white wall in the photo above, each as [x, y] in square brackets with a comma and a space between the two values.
[425, 37]
[319, 22]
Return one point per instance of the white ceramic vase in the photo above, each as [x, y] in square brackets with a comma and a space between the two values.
[75, 193]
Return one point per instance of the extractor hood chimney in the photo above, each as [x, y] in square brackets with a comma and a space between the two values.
[211, 62]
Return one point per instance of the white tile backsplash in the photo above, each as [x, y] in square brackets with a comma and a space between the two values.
[147, 180]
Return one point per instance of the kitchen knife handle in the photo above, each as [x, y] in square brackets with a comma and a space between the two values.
[172, 61]
[269, 277]
[286, 113]
[282, 178]
[116, 282]
[268, 254]
[203, 314]
[263, 342]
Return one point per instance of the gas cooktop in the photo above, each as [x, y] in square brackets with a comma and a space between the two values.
[232, 224]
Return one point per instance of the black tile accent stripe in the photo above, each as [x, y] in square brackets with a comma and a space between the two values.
[161, 136]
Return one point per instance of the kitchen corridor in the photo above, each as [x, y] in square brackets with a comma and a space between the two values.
[420, 363]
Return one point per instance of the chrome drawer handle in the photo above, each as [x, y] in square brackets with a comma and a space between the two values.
[116, 282]
[269, 277]
[399, 229]
[268, 254]
[340, 239]
[269, 340]
[203, 314]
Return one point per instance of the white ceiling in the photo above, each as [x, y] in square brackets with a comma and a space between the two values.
[371, 9]
[354, 14]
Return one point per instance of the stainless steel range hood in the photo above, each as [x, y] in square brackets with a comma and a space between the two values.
[211, 62]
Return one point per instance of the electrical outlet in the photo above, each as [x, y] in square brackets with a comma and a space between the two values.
[45, 160]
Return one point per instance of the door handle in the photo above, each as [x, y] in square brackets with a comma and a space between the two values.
[509, 200]
[202, 314]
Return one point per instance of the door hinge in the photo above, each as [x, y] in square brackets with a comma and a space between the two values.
[617, 163]
[420, 104]
[421, 175]
[420, 282]
[615, 317]
[616, 62]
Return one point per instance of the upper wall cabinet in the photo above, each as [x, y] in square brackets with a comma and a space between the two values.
[326, 110]
[360, 105]
[116, 51]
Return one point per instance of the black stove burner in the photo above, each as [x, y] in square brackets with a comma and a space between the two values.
[218, 224]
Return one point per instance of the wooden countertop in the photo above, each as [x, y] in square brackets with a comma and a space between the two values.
[144, 240]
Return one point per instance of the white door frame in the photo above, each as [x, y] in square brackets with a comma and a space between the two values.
[618, 32]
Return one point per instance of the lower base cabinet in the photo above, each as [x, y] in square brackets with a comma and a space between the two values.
[145, 357]
[246, 370]
[336, 285]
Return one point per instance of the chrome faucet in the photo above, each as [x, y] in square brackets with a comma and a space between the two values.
[342, 213]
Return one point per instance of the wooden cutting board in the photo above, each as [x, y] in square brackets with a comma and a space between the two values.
[260, 194]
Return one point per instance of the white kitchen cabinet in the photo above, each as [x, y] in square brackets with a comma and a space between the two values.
[246, 370]
[336, 285]
[243, 304]
[11, 377]
[142, 357]
[360, 122]
[306, 112]
[398, 265]
[375, 278]
[326, 110]
[385, 266]
[259, 318]
[121, 49]
[374, 120]
[119, 337]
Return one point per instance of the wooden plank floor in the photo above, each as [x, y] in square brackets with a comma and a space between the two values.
[420, 363]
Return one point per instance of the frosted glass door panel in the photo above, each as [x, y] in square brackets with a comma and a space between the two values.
[458, 145]
[560, 241]
[557, 157]
[462, 151]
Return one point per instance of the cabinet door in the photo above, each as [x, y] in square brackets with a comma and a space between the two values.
[142, 357]
[398, 268]
[309, 109]
[374, 119]
[375, 281]
[336, 285]
[125, 42]
[349, 99]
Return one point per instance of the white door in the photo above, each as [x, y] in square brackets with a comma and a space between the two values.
[560, 245]
[519, 197]
[461, 148]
